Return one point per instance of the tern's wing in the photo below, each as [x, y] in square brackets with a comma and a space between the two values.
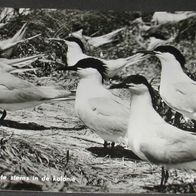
[15, 90]
[21, 62]
[32, 93]
[5, 67]
[108, 107]
[180, 96]
[170, 146]
[186, 95]
[12, 82]
[113, 33]
[110, 118]
[186, 88]
[19, 95]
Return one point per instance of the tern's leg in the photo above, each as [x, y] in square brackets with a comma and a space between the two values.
[162, 176]
[166, 176]
[105, 144]
[112, 145]
[3, 117]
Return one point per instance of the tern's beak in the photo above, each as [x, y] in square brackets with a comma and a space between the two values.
[67, 68]
[119, 85]
[146, 52]
[71, 68]
[122, 85]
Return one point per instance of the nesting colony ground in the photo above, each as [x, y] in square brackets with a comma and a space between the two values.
[48, 147]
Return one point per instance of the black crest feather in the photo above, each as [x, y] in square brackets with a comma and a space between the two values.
[137, 79]
[78, 41]
[170, 49]
[93, 63]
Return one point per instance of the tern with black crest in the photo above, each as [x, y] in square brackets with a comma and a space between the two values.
[150, 137]
[76, 51]
[100, 110]
[97, 41]
[176, 88]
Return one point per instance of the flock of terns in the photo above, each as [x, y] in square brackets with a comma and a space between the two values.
[135, 123]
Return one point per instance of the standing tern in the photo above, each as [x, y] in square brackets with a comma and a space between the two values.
[150, 137]
[176, 88]
[100, 110]
[75, 53]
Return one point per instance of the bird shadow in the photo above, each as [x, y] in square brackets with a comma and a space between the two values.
[173, 188]
[24, 186]
[35, 126]
[116, 152]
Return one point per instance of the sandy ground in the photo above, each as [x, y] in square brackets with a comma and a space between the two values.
[68, 149]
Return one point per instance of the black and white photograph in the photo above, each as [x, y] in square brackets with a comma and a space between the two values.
[97, 101]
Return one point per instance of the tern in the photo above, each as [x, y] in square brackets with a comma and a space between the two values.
[21, 62]
[98, 40]
[170, 18]
[100, 110]
[23, 11]
[11, 69]
[17, 94]
[18, 65]
[7, 46]
[143, 27]
[150, 137]
[176, 89]
[6, 14]
[154, 40]
[75, 53]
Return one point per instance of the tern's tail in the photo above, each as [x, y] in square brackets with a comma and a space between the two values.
[20, 34]
[21, 62]
[113, 34]
[19, 71]
[191, 15]
[6, 45]
[136, 58]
